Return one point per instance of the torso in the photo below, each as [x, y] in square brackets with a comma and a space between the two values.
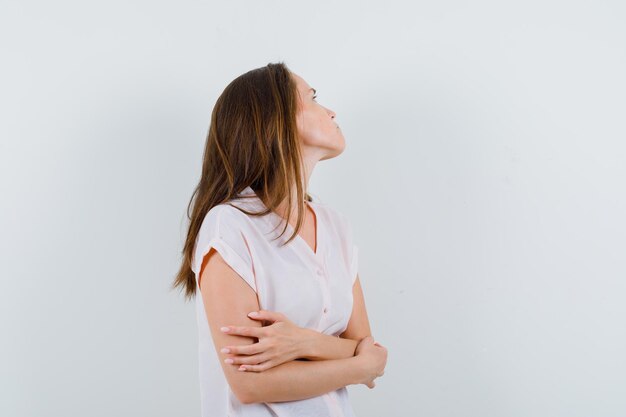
[313, 288]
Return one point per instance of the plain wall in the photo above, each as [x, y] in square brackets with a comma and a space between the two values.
[484, 175]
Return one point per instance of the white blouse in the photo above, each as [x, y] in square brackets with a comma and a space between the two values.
[313, 289]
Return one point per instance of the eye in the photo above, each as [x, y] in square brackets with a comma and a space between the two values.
[314, 97]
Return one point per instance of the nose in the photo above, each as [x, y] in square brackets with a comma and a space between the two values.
[331, 113]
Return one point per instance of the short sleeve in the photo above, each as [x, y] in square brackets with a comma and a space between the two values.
[226, 231]
[354, 262]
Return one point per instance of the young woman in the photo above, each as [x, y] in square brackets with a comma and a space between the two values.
[311, 336]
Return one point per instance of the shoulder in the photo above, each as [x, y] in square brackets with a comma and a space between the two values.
[225, 216]
[228, 211]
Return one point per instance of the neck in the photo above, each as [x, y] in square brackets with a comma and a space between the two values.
[309, 164]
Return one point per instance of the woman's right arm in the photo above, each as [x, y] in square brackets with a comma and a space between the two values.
[298, 380]
[227, 300]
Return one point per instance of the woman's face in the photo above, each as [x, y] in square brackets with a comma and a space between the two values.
[319, 134]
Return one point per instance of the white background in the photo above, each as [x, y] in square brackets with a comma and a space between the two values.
[484, 175]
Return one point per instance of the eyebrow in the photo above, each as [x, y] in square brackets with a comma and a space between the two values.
[314, 90]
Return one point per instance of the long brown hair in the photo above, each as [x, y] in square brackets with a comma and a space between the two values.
[252, 141]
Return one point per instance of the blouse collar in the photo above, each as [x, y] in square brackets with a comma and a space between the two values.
[247, 191]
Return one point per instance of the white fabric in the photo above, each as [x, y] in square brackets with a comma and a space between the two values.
[313, 289]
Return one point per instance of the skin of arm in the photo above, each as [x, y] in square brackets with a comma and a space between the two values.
[228, 298]
[298, 380]
[324, 347]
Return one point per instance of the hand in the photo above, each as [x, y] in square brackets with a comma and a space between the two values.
[373, 357]
[278, 343]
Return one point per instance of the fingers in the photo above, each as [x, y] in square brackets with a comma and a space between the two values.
[246, 360]
[243, 349]
[244, 331]
[257, 368]
[271, 316]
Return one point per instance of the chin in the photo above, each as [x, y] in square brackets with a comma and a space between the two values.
[339, 150]
[342, 143]
[335, 148]
[331, 153]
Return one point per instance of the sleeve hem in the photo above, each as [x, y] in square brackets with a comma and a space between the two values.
[231, 258]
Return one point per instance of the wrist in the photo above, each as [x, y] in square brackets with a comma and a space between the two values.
[360, 373]
[309, 346]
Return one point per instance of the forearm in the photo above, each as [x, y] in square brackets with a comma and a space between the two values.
[323, 347]
[298, 380]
